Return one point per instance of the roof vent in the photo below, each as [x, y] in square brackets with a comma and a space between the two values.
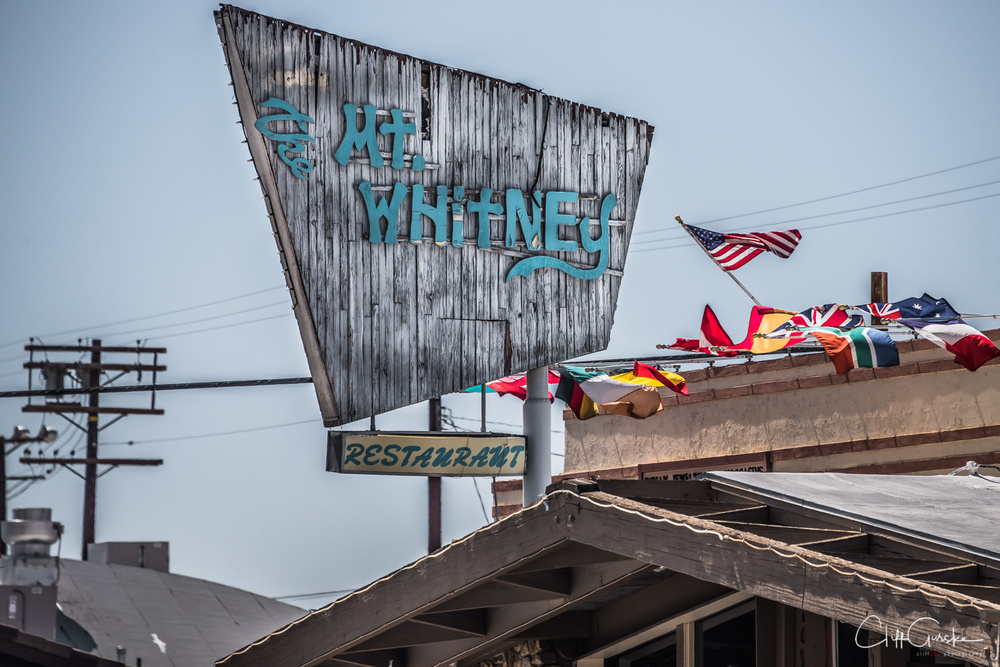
[30, 573]
[30, 536]
[149, 555]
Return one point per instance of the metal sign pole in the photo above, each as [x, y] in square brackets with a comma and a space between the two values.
[537, 414]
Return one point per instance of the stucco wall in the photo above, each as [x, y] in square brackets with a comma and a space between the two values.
[767, 406]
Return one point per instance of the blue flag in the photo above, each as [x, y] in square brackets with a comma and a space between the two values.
[925, 308]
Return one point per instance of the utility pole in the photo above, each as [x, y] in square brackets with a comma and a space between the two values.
[90, 469]
[434, 485]
[89, 377]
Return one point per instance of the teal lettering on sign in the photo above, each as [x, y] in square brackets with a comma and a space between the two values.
[426, 454]
[447, 215]
[359, 139]
[290, 143]
[599, 245]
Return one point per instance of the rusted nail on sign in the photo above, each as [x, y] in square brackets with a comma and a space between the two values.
[425, 454]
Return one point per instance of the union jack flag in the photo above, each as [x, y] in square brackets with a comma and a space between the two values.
[829, 315]
[732, 251]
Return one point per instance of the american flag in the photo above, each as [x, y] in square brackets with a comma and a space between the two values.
[732, 251]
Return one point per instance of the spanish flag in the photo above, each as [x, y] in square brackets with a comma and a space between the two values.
[654, 377]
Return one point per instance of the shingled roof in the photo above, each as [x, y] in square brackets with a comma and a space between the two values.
[168, 620]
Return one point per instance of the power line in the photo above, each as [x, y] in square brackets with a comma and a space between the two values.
[175, 386]
[149, 317]
[843, 222]
[198, 321]
[223, 326]
[482, 503]
[847, 194]
[213, 435]
[826, 215]
[490, 421]
[304, 596]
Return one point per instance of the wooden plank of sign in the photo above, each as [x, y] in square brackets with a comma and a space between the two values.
[396, 361]
[318, 111]
[381, 312]
[407, 294]
[526, 164]
[363, 88]
[575, 327]
[383, 352]
[556, 280]
[501, 115]
[410, 91]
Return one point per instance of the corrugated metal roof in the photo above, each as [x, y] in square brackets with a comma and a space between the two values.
[197, 621]
[958, 511]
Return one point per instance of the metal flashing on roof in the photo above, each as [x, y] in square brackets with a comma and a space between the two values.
[956, 512]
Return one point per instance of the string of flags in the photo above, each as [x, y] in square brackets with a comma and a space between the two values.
[843, 335]
[633, 394]
[840, 332]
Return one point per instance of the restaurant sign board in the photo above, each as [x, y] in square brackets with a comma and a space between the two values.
[425, 453]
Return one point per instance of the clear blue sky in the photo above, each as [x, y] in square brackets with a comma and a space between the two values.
[125, 192]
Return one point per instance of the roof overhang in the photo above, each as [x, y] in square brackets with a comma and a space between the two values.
[596, 563]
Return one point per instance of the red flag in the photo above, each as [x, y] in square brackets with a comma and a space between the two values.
[712, 333]
[669, 380]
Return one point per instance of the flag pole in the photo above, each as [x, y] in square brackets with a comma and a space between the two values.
[698, 243]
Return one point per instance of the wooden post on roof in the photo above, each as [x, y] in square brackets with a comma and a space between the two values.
[880, 292]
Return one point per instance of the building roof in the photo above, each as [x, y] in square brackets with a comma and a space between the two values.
[957, 512]
[195, 620]
[20, 649]
[599, 563]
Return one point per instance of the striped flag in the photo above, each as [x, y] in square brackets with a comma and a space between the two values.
[624, 394]
[861, 347]
[732, 251]
[971, 348]
[655, 377]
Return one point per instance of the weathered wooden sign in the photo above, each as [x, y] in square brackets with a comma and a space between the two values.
[438, 228]
[449, 454]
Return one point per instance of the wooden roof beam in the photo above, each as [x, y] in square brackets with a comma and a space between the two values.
[410, 634]
[373, 659]
[789, 534]
[856, 543]
[884, 545]
[570, 556]
[649, 606]
[415, 590]
[508, 622]
[783, 572]
[571, 625]
[496, 594]
[651, 488]
[989, 593]
[551, 581]
[958, 574]
[748, 514]
[471, 622]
